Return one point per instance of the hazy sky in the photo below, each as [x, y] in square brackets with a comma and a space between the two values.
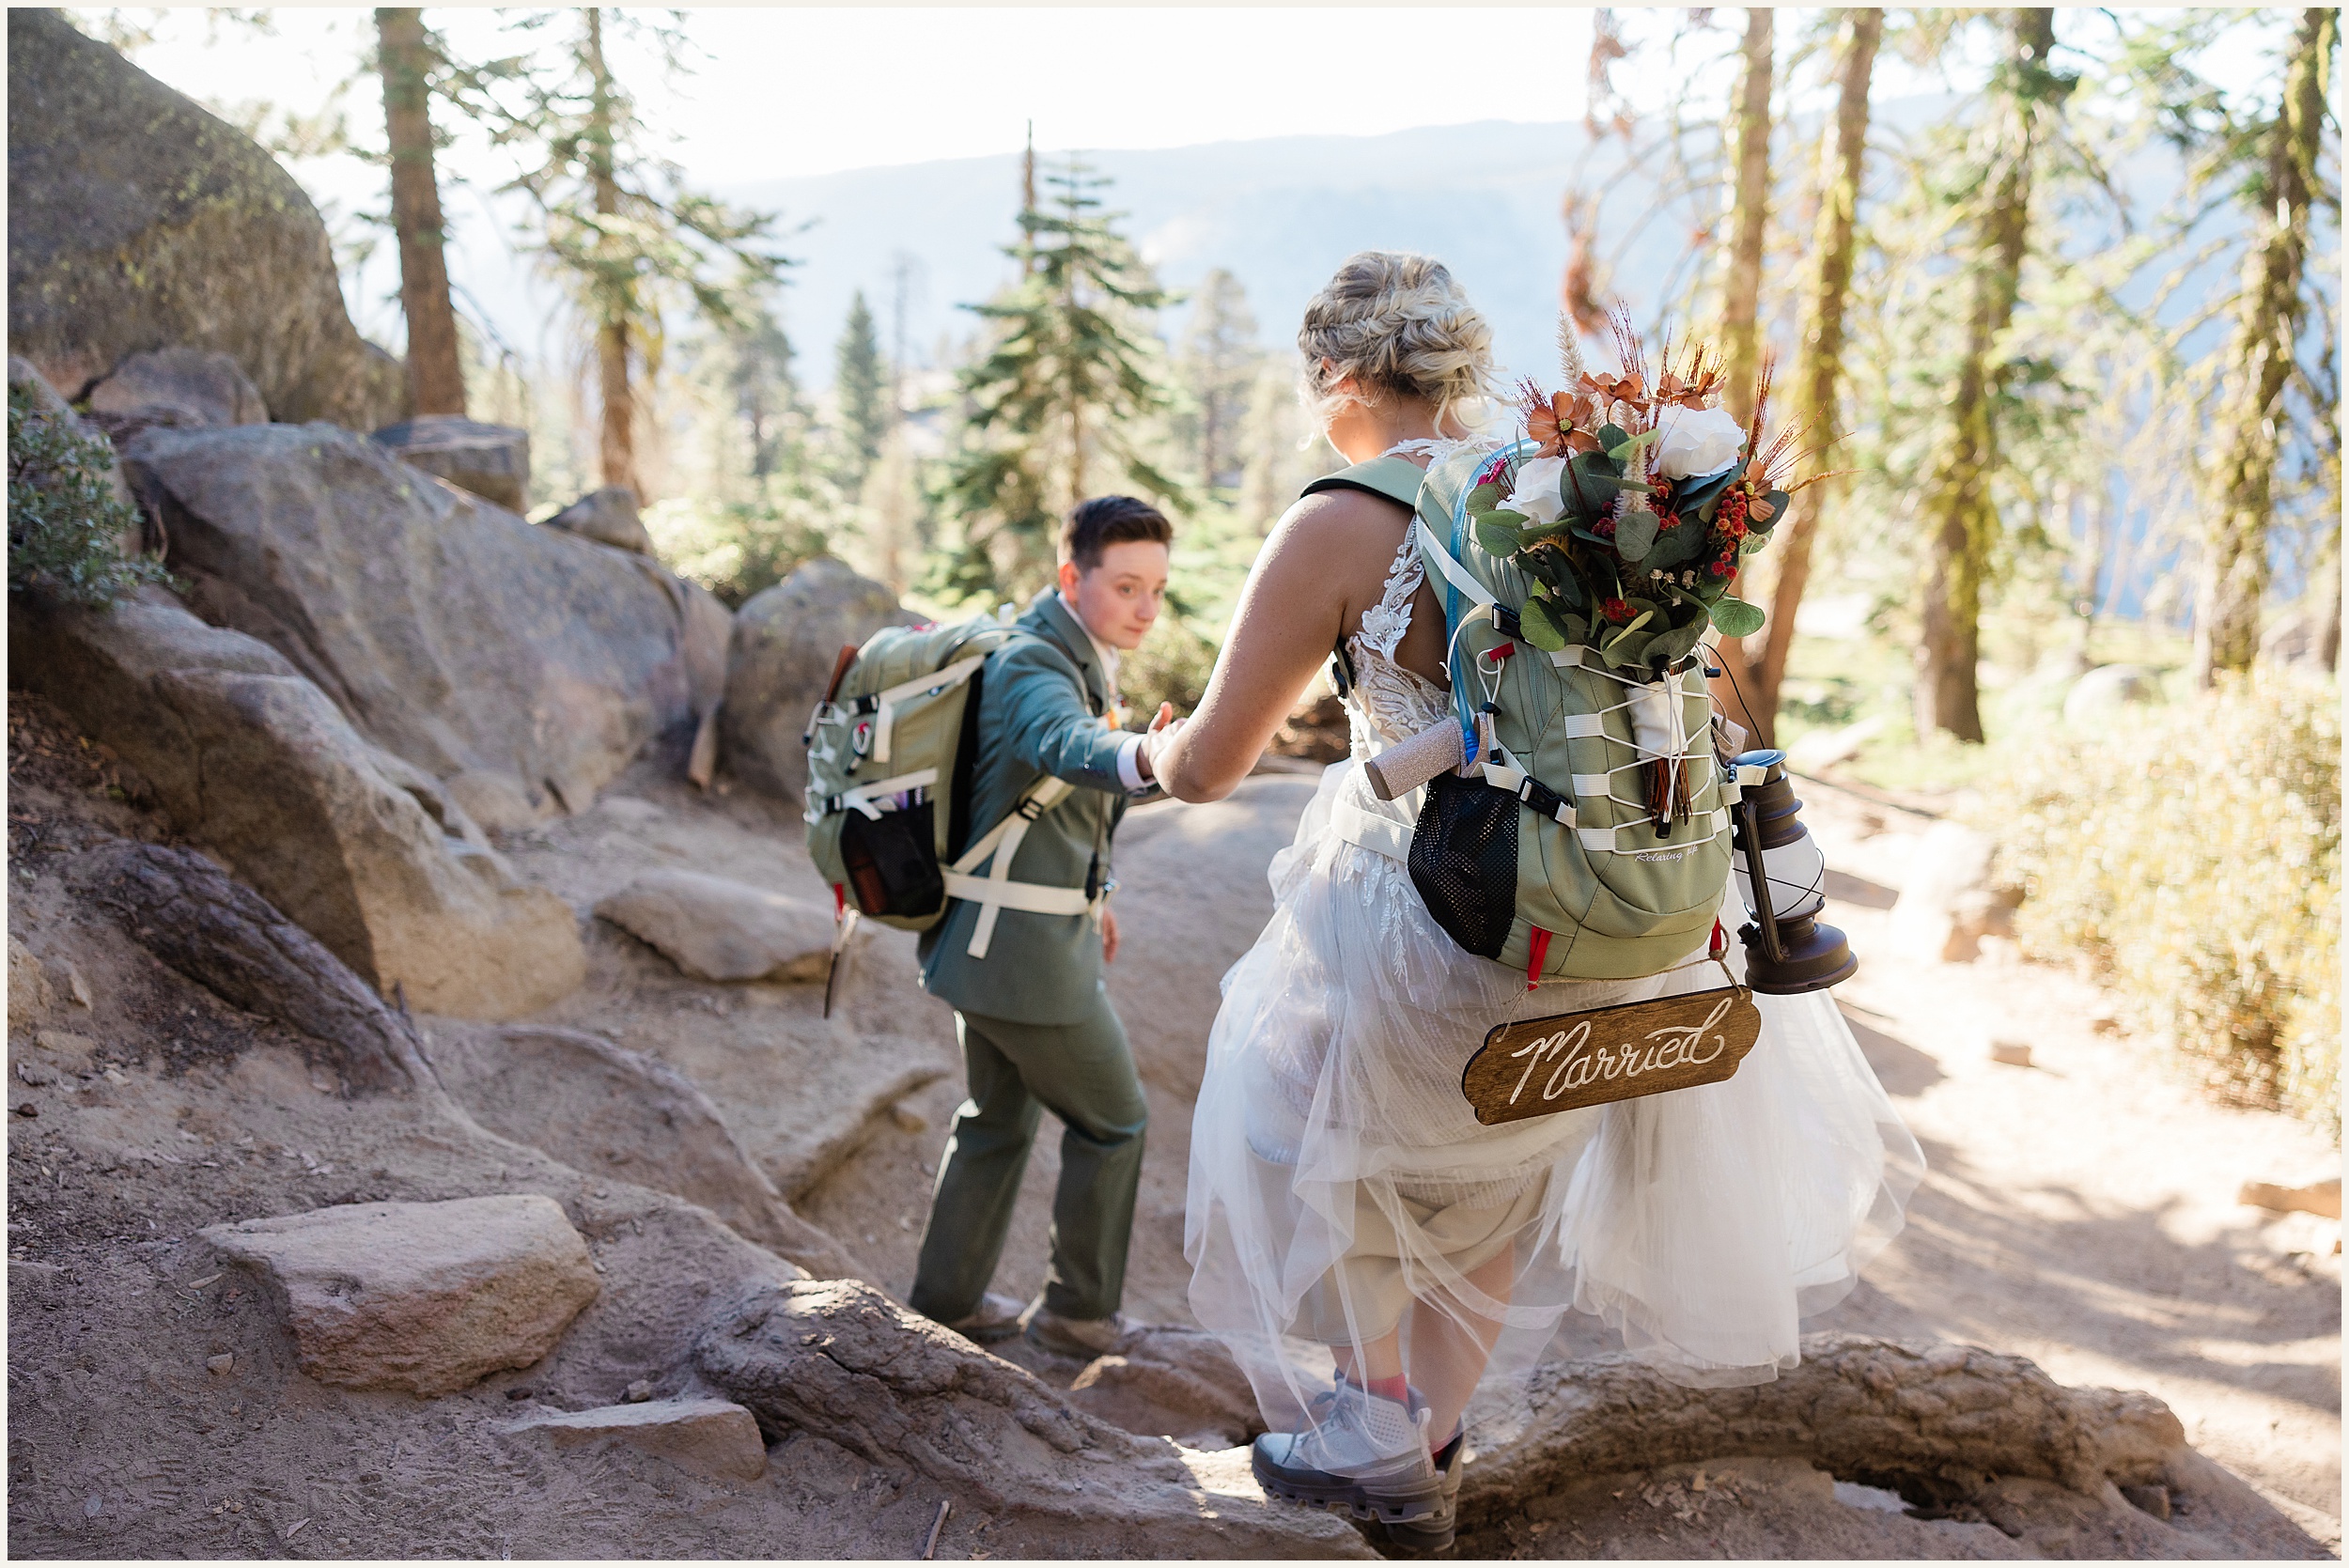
[781, 92]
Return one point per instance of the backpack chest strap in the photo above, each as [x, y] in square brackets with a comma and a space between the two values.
[996, 892]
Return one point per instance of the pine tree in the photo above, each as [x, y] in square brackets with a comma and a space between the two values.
[1054, 403]
[759, 376]
[861, 387]
[1959, 512]
[619, 226]
[1218, 367]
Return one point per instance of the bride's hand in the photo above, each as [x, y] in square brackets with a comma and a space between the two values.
[1158, 738]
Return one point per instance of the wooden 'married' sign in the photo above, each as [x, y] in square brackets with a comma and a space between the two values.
[1543, 1066]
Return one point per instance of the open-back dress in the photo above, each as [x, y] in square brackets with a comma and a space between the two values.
[1340, 1181]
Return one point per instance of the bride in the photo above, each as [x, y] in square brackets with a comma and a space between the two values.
[1369, 1251]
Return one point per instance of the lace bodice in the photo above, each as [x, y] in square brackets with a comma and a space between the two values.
[1389, 703]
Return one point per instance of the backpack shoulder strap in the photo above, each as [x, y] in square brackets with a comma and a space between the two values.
[1397, 479]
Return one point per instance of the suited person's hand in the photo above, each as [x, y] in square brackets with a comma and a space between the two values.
[1162, 732]
[1109, 935]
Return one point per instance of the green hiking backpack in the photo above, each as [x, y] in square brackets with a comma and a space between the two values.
[1544, 852]
[890, 750]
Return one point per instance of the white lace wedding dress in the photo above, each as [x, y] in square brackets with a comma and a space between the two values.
[1341, 1182]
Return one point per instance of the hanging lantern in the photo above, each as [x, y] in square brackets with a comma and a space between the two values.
[1782, 877]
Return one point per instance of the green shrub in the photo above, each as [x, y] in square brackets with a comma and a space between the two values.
[735, 550]
[64, 518]
[2193, 854]
[1171, 666]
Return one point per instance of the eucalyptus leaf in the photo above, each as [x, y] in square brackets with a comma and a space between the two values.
[1778, 501]
[1676, 641]
[1542, 626]
[1635, 533]
[1690, 494]
[1567, 584]
[1754, 544]
[1485, 498]
[1627, 646]
[1735, 617]
[1612, 436]
[1675, 547]
[1498, 538]
[1577, 629]
[1621, 451]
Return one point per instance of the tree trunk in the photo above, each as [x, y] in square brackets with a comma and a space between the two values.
[1741, 285]
[2233, 576]
[436, 377]
[615, 294]
[1960, 514]
[1741, 295]
[1819, 372]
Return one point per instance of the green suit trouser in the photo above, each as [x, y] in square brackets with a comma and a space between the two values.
[1084, 1073]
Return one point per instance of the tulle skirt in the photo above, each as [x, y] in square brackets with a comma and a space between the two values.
[1342, 1188]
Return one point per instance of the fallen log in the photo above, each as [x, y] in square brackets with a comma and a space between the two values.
[229, 938]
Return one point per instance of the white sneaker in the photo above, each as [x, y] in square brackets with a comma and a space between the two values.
[1365, 1454]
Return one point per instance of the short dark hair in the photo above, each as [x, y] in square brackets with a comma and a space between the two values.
[1109, 519]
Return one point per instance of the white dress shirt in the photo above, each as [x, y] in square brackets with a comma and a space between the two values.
[1130, 752]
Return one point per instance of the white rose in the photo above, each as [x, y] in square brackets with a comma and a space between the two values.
[1536, 496]
[1698, 441]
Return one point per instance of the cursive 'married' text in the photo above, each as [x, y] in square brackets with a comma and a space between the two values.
[1577, 1063]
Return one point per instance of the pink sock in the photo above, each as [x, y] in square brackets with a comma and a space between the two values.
[1397, 1388]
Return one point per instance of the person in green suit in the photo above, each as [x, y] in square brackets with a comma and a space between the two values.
[1031, 1012]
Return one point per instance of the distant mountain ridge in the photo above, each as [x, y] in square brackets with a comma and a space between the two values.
[1280, 214]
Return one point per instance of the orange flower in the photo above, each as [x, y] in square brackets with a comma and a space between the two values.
[1689, 392]
[1548, 423]
[1558, 423]
[1609, 389]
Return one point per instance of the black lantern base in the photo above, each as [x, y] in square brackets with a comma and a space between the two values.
[1812, 957]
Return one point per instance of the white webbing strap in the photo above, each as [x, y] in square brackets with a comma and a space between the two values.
[861, 797]
[1381, 836]
[1027, 897]
[996, 892]
[1602, 840]
[1454, 573]
[887, 702]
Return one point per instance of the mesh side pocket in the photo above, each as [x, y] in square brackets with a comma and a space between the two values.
[1464, 862]
[892, 862]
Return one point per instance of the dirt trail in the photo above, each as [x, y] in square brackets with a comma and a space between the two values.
[2079, 1212]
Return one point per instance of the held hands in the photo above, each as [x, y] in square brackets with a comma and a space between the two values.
[1157, 739]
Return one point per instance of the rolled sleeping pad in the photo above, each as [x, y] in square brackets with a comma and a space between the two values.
[1409, 764]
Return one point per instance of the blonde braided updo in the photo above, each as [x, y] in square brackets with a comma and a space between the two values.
[1395, 323]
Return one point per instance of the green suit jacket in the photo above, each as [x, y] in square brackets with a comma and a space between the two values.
[1041, 701]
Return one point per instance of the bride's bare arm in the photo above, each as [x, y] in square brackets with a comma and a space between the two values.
[1306, 590]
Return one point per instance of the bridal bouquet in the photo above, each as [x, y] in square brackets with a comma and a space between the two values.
[1633, 510]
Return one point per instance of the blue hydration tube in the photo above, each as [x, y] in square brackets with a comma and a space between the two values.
[1456, 660]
